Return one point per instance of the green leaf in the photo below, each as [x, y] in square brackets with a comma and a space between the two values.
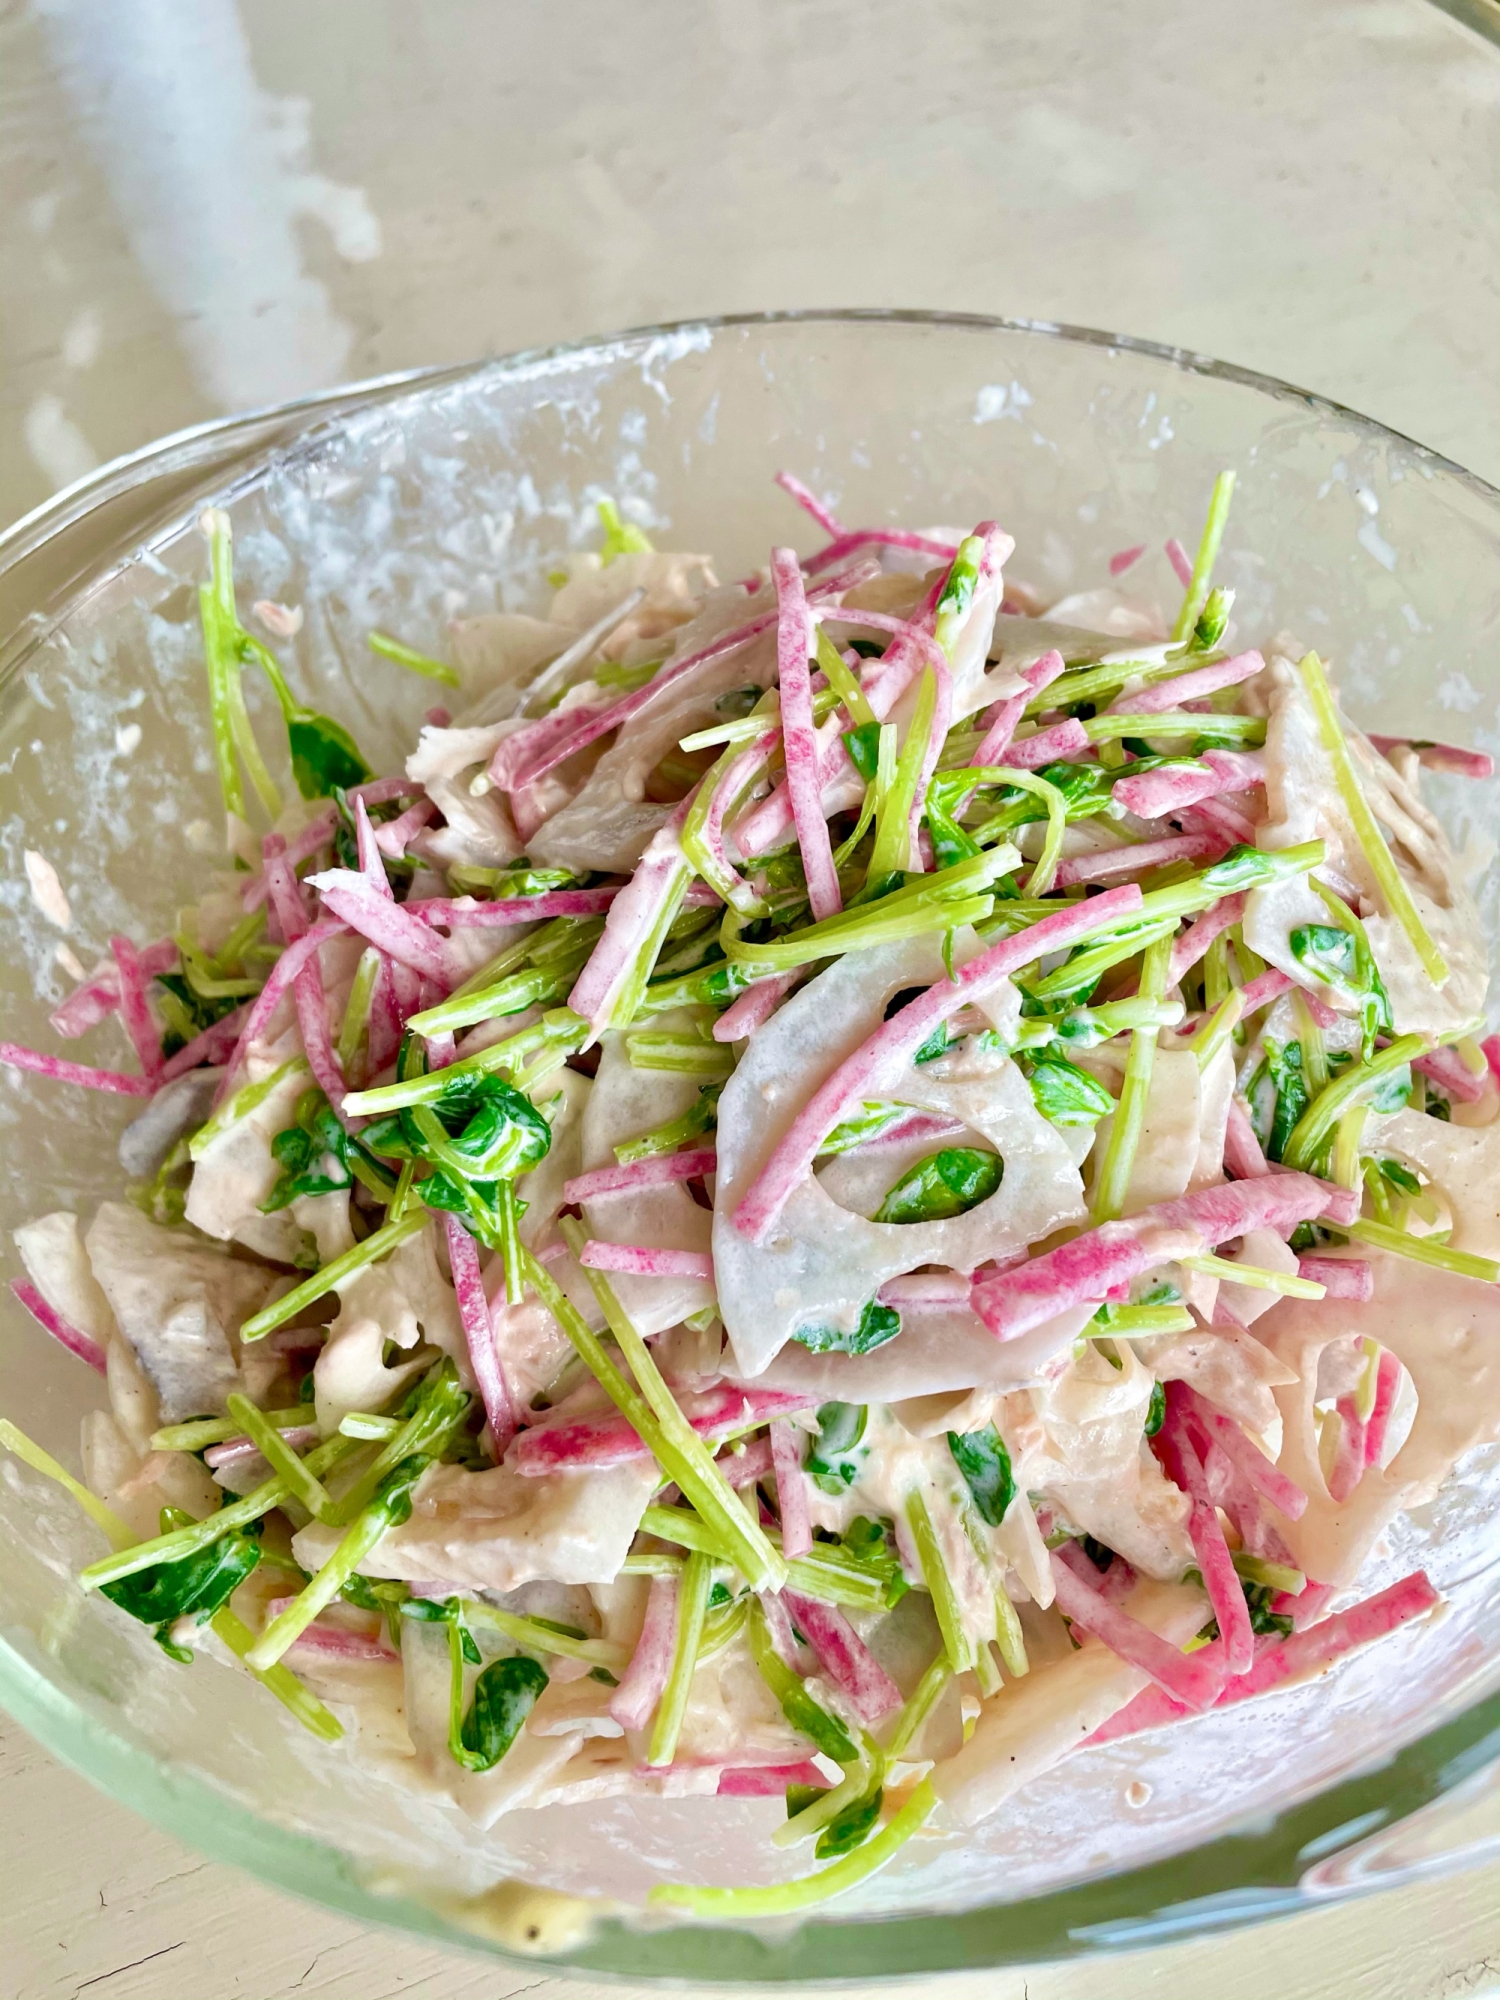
[1328, 952]
[945, 1184]
[1156, 1410]
[1399, 1176]
[1339, 956]
[848, 1829]
[188, 1011]
[493, 1133]
[504, 1695]
[506, 1134]
[325, 757]
[877, 1325]
[1393, 1091]
[863, 745]
[324, 754]
[983, 1460]
[196, 1584]
[1284, 1066]
[1064, 1093]
[373, 1594]
[301, 1149]
[935, 1045]
[1263, 1620]
[835, 1459]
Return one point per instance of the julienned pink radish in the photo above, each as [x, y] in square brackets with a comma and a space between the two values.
[1242, 1149]
[1387, 1386]
[633, 1702]
[389, 927]
[393, 837]
[117, 1082]
[1168, 788]
[1452, 1075]
[755, 1005]
[1282, 1662]
[850, 540]
[746, 1464]
[1060, 743]
[1440, 756]
[1218, 817]
[337, 1642]
[238, 1450]
[371, 863]
[769, 1781]
[1001, 720]
[209, 1049]
[640, 913]
[798, 742]
[135, 1010]
[278, 982]
[1194, 1679]
[646, 1260]
[845, 1658]
[690, 1164]
[791, 1488]
[1190, 946]
[1174, 1447]
[1190, 686]
[62, 1330]
[1340, 1277]
[1139, 859]
[810, 504]
[765, 826]
[606, 1437]
[1262, 1472]
[479, 1333]
[461, 912]
[1263, 989]
[885, 621]
[99, 995]
[1117, 1252]
[315, 836]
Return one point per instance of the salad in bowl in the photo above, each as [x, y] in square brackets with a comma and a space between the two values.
[853, 1180]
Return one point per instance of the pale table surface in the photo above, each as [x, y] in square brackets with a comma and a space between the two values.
[208, 206]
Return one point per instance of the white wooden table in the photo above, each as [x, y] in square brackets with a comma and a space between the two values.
[1305, 186]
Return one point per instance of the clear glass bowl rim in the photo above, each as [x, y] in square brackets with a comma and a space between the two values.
[1239, 1877]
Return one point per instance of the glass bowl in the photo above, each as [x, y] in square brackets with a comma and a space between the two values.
[403, 502]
